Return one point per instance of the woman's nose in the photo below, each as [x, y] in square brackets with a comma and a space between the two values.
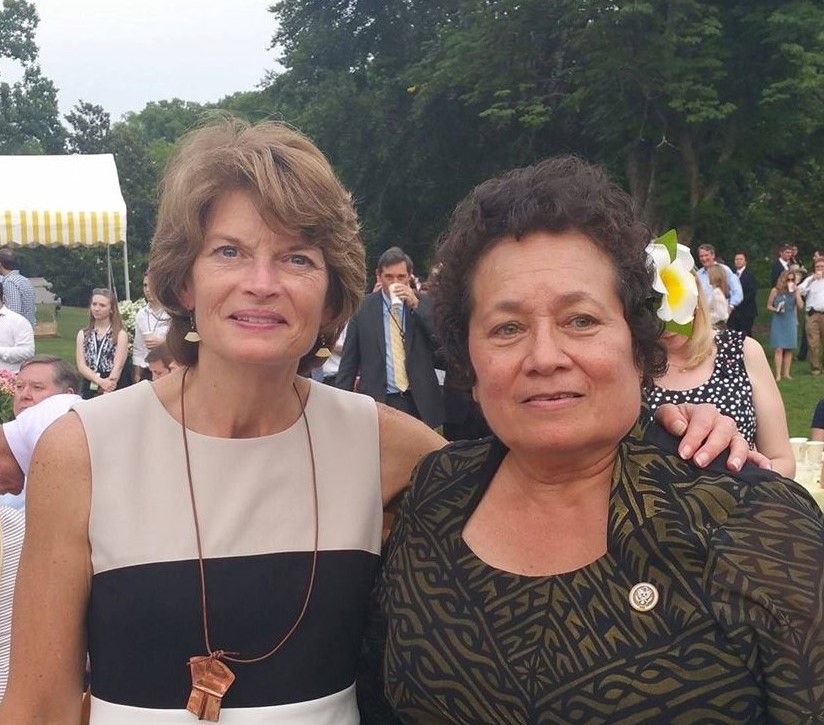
[547, 350]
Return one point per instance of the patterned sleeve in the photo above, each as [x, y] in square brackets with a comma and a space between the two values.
[12, 297]
[765, 575]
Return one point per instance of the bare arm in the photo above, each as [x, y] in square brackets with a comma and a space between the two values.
[48, 651]
[772, 437]
[404, 441]
[11, 475]
[80, 361]
[121, 351]
[771, 300]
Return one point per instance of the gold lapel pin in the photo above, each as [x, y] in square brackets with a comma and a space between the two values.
[643, 596]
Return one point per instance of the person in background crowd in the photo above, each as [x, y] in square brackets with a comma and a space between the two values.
[391, 347]
[571, 568]
[784, 302]
[812, 290]
[743, 317]
[16, 337]
[718, 303]
[159, 361]
[730, 371]
[19, 293]
[332, 364]
[39, 378]
[249, 606]
[782, 263]
[102, 346]
[706, 257]
[817, 424]
[151, 323]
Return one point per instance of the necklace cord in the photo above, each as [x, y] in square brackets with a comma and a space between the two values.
[222, 654]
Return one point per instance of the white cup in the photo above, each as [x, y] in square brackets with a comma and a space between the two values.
[799, 446]
[394, 300]
[814, 451]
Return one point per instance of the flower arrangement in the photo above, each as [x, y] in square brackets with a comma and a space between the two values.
[7, 385]
[672, 264]
[128, 311]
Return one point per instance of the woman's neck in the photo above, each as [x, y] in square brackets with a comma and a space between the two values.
[246, 402]
[102, 325]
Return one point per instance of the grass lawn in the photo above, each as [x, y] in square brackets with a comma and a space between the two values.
[800, 394]
[69, 321]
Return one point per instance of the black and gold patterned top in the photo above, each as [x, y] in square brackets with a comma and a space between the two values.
[737, 635]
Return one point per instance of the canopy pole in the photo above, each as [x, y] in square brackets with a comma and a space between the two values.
[126, 271]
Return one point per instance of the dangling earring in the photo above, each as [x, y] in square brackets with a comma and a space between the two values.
[192, 336]
[323, 351]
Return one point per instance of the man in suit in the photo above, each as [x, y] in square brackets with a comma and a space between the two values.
[782, 264]
[391, 346]
[743, 316]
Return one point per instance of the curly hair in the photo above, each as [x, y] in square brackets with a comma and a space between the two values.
[557, 195]
[294, 189]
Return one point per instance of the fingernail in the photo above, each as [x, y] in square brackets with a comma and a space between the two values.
[735, 464]
[680, 427]
[701, 460]
[686, 452]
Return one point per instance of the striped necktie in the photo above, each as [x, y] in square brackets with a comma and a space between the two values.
[398, 353]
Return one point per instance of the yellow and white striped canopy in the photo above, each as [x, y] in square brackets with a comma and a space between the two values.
[61, 201]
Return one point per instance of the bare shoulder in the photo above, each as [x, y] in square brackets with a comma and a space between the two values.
[753, 352]
[404, 440]
[60, 472]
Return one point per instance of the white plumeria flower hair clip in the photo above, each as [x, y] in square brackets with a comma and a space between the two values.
[671, 265]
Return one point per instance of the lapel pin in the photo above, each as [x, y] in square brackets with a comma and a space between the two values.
[643, 597]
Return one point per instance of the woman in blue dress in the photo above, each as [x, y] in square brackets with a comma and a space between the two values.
[784, 302]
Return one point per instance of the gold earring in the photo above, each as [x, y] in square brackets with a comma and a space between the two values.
[192, 336]
[323, 351]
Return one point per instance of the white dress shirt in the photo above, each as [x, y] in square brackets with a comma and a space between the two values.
[812, 290]
[148, 321]
[16, 339]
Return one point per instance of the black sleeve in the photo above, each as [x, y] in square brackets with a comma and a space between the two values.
[350, 358]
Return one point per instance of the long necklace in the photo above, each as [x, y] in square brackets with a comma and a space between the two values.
[211, 676]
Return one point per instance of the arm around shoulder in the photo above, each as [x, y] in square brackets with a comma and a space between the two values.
[48, 633]
[404, 440]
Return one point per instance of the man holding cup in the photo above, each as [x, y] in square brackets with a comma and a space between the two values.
[390, 344]
[812, 289]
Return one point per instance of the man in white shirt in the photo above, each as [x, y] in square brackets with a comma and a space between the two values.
[16, 338]
[40, 378]
[812, 290]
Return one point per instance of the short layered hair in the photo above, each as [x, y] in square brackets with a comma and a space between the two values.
[294, 190]
[557, 195]
[65, 376]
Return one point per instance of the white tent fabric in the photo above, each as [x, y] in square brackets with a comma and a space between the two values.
[72, 200]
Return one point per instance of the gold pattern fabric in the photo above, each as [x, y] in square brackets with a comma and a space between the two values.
[737, 636]
[398, 353]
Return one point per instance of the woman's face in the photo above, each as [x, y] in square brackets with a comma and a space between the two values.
[100, 307]
[551, 350]
[147, 291]
[258, 295]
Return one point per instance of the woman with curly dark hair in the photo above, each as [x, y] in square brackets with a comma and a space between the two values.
[573, 568]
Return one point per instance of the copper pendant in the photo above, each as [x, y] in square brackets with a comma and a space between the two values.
[211, 678]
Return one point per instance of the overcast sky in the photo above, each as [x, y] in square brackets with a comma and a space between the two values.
[121, 54]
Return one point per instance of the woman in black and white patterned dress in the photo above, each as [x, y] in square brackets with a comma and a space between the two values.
[730, 371]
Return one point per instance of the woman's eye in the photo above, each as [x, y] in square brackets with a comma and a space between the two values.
[227, 251]
[582, 322]
[506, 330]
